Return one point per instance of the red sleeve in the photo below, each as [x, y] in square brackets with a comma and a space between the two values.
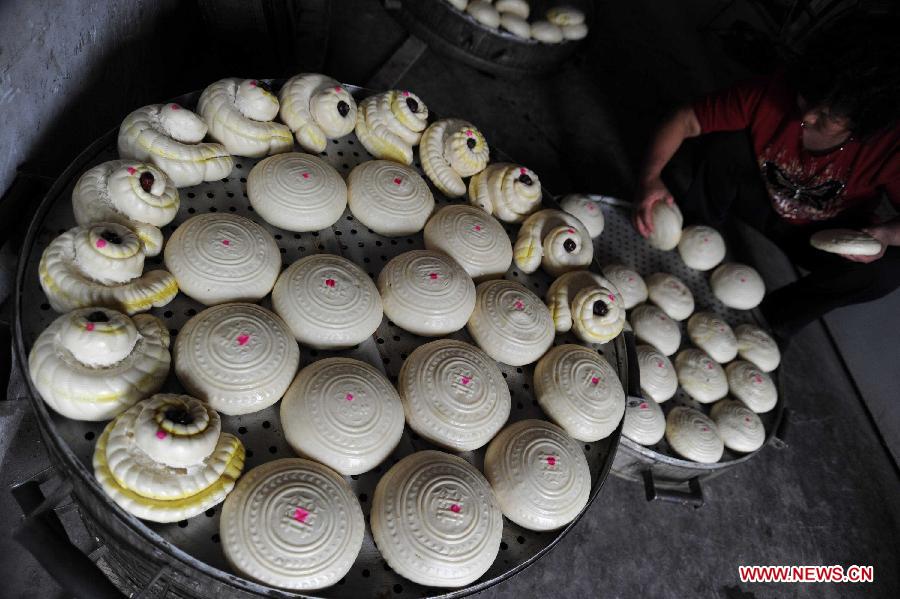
[732, 108]
[889, 178]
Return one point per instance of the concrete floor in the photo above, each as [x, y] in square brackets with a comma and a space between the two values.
[831, 496]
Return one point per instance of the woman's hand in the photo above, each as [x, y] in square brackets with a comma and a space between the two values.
[886, 233]
[650, 192]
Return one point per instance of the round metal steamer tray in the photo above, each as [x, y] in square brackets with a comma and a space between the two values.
[187, 556]
[621, 243]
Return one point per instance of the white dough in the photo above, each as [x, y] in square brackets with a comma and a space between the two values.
[692, 435]
[757, 346]
[292, 524]
[658, 378]
[701, 247]
[667, 221]
[519, 8]
[93, 363]
[544, 31]
[219, 258]
[451, 150]
[669, 293]
[297, 192]
[240, 358]
[739, 426]
[459, 4]
[539, 475]
[577, 31]
[653, 326]
[565, 15]
[389, 124]
[343, 413]
[165, 459]
[484, 13]
[585, 209]
[436, 520]
[136, 195]
[389, 198]
[510, 323]
[712, 334]
[848, 242]
[426, 293]
[644, 422]
[171, 137]
[752, 386]
[508, 191]
[629, 284]
[587, 304]
[316, 108]
[454, 395]
[327, 301]
[515, 25]
[100, 265]
[579, 390]
[737, 286]
[472, 238]
[554, 240]
[240, 113]
[700, 376]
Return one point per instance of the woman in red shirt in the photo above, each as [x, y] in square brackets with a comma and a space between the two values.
[814, 147]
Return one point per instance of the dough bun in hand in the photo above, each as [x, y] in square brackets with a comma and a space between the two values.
[846, 241]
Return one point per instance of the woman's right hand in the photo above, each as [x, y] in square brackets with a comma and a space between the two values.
[650, 192]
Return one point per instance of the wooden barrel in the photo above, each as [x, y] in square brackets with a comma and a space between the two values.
[457, 34]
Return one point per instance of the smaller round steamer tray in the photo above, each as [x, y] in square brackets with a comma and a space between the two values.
[188, 555]
[621, 243]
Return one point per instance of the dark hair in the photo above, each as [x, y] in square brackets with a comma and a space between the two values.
[853, 69]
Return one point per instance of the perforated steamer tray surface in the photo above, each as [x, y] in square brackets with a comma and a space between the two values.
[620, 243]
[261, 432]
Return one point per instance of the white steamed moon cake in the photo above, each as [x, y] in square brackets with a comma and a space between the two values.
[436, 521]
[472, 238]
[667, 221]
[240, 358]
[292, 524]
[547, 32]
[577, 31]
[454, 394]
[701, 247]
[389, 198]
[510, 323]
[739, 426]
[737, 286]
[712, 334]
[629, 284]
[520, 8]
[516, 25]
[652, 325]
[692, 435]
[484, 13]
[580, 391]
[700, 376]
[757, 346]
[327, 301]
[218, 258]
[297, 192]
[343, 413]
[644, 422]
[166, 458]
[426, 293]
[658, 378]
[752, 386]
[94, 363]
[539, 474]
[669, 293]
[846, 241]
